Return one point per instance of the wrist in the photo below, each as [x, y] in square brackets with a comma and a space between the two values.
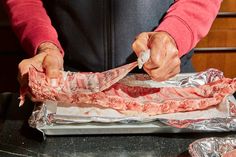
[171, 39]
[47, 47]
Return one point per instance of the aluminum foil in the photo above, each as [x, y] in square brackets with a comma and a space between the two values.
[212, 147]
[182, 80]
[47, 114]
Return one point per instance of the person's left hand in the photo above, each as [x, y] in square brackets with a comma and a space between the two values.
[164, 61]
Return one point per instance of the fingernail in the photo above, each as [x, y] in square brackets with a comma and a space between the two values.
[53, 82]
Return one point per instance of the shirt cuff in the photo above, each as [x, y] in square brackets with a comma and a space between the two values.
[179, 31]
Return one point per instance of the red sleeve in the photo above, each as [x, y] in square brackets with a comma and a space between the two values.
[188, 21]
[31, 24]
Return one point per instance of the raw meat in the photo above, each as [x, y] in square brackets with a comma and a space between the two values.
[131, 100]
[87, 82]
[230, 153]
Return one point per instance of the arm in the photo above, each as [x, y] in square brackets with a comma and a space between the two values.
[31, 24]
[188, 21]
[37, 36]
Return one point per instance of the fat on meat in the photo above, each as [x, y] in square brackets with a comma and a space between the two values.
[230, 154]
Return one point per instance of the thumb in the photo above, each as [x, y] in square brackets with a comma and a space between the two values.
[52, 65]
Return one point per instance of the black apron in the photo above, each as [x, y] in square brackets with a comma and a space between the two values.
[97, 34]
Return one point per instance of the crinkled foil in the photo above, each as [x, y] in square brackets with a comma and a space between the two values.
[46, 115]
[202, 78]
[39, 116]
[212, 147]
[182, 80]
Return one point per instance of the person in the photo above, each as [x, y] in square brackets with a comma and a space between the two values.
[96, 35]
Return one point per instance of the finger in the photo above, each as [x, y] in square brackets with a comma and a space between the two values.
[140, 43]
[163, 63]
[23, 69]
[171, 51]
[24, 65]
[171, 62]
[157, 49]
[158, 74]
[52, 65]
[174, 72]
[167, 70]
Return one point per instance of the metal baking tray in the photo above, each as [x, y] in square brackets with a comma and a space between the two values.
[41, 120]
[111, 128]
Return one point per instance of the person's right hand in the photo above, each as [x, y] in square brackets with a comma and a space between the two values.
[49, 59]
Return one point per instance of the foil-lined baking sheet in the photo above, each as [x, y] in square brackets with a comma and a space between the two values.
[59, 119]
[212, 147]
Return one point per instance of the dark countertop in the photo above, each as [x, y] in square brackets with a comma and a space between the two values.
[18, 139]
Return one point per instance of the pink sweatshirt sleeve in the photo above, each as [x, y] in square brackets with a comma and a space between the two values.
[188, 21]
[31, 24]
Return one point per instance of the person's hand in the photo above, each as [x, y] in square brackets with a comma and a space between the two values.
[164, 61]
[49, 59]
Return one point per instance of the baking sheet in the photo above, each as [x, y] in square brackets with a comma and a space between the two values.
[56, 119]
[125, 125]
[111, 128]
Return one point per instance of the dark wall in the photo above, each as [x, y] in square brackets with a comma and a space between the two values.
[11, 54]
